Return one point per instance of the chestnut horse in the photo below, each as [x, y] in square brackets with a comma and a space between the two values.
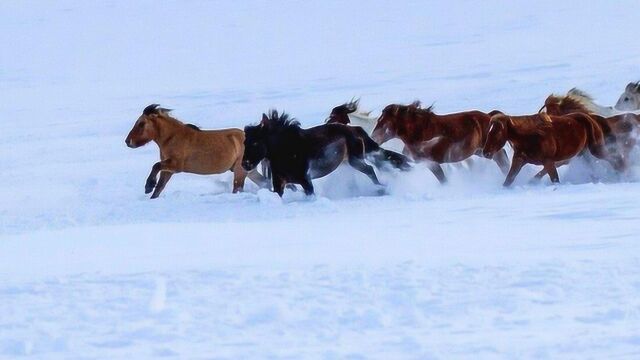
[437, 138]
[545, 140]
[618, 129]
[186, 148]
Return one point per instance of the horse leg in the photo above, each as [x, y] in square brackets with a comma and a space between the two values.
[164, 179]
[502, 160]
[278, 184]
[164, 166]
[364, 168]
[552, 171]
[152, 178]
[307, 185]
[436, 169]
[239, 175]
[356, 152]
[258, 179]
[516, 165]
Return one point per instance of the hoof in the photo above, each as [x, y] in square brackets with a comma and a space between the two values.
[154, 196]
[291, 187]
[148, 187]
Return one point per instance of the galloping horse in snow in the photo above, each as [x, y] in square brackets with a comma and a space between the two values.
[620, 131]
[437, 138]
[545, 140]
[186, 148]
[299, 155]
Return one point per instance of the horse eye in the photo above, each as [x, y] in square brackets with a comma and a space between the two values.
[626, 99]
[141, 125]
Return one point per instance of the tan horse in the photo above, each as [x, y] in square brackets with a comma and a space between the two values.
[186, 148]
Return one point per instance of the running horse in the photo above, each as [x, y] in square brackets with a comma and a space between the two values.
[545, 140]
[297, 156]
[619, 130]
[437, 138]
[186, 148]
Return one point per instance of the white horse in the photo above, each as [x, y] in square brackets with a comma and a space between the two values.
[630, 98]
[623, 106]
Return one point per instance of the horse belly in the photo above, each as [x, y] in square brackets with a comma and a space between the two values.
[569, 146]
[205, 163]
[326, 162]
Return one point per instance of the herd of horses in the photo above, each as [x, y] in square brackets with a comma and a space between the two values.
[565, 127]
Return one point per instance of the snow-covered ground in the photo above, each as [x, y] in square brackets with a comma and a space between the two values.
[90, 268]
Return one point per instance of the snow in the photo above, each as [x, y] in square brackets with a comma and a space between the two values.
[91, 268]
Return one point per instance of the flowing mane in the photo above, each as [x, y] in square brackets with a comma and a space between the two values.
[574, 101]
[279, 122]
[346, 108]
[155, 109]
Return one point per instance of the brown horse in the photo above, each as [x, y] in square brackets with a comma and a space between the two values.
[618, 130]
[437, 138]
[545, 140]
[186, 148]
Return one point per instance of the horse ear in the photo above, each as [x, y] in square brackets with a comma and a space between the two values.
[630, 86]
[265, 119]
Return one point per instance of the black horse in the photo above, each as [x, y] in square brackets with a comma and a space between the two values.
[299, 155]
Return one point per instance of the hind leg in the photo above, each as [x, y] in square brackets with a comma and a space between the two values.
[436, 169]
[364, 168]
[239, 175]
[307, 185]
[278, 184]
[550, 167]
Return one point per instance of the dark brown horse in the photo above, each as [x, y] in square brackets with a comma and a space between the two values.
[437, 138]
[186, 148]
[618, 130]
[545, 140]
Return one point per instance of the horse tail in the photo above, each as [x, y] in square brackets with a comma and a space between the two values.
[595, 135]
[356, 146]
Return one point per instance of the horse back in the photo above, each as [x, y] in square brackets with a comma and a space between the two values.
[213, 151]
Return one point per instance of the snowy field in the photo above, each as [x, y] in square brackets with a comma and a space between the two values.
[91, 268]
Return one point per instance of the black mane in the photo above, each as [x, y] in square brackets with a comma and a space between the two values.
[154, 109]
[194, 127]
[346, 108]
[282, 121]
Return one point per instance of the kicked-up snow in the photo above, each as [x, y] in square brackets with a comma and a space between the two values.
[91, 268]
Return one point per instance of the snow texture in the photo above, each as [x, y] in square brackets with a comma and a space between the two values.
[91, 268]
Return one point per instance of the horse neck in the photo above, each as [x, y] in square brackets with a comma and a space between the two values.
[166, 128]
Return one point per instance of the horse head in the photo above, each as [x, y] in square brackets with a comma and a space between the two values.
[630, 98]
[497, 135]
[340, 114]
[145, 128]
